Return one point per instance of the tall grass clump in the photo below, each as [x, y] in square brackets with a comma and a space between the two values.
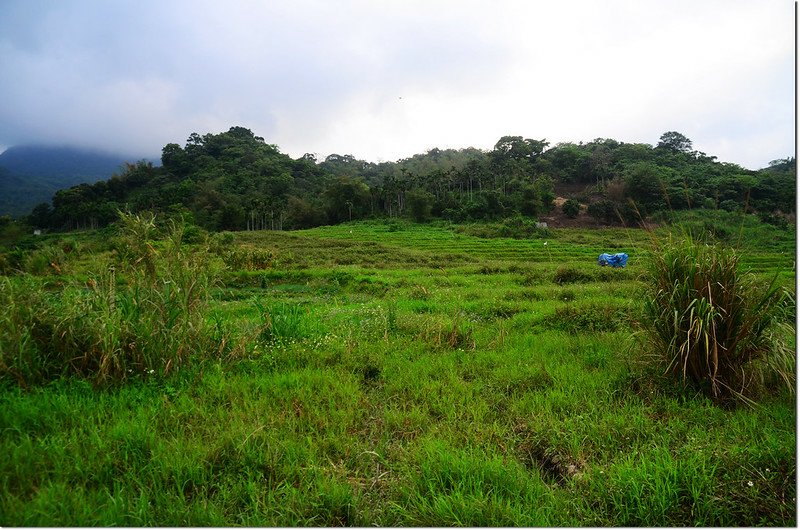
[145, 314]
[712, 324]
[284, 323]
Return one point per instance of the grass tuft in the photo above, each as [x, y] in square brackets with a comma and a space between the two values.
[146, 315]
[712, 324]
[283, 322]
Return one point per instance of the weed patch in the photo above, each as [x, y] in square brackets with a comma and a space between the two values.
[587, 318]
[459, 488]
[566, 274]
[454, 333]
[531, 295]
[154, 323]
[248, 258]
[497, 310]
[656, 488]
[285, 323]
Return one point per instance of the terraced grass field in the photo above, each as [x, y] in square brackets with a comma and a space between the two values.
[400, 374]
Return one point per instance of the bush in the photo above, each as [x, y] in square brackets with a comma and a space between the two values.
[221, 241]
[50, 259]
[602, 210]
[571, 208]
[565, 274]
[612, 212]
[106, 330]
[419, 203]
[712, 325]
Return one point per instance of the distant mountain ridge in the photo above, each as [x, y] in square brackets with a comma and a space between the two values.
[31, 174]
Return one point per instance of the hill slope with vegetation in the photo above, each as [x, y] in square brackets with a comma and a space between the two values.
[236, 181]
[31, 174]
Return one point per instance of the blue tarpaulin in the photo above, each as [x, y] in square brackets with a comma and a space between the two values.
[615, 260]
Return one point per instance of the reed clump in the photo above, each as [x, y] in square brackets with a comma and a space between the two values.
[146, 314]
[714, 325]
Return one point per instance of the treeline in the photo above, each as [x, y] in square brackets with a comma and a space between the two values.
[236, 181]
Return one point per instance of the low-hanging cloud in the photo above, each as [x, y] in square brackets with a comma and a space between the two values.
[384, 80]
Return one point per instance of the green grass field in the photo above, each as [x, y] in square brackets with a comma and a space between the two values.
[411, 375]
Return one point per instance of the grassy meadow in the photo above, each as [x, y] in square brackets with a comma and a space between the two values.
[385, 373]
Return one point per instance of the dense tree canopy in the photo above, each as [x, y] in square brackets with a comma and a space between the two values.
[675, 141]
[236, 181]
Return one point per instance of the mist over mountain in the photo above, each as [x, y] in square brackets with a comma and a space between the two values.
[31, 174]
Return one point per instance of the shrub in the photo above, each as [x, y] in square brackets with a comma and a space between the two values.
[11, 262]
[602, 210]
[571, 208]
[713, 325]
[517, 227]
[566, 274]
[108, 331]
[221, 241]
[612, 212]
[47, 260]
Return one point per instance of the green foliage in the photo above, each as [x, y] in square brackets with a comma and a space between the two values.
[742, 231]
[517, 148]
[714, 325]
[567, 274]
[517, 227]
[405, 378]
[588, 318]
[13, 233]
[419, 204]
[347, 199]
[301, 213]
[456, 488]
[646, 184]
[614, 213]
[247, 258]
[453, 333]
[675, 141]
[571, 208]
[283, 323]
[155, 322]
[660, 488]
[235, 181]
[569, 162]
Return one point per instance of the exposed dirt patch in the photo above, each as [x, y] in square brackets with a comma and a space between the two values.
[556, 218]
[554, 466]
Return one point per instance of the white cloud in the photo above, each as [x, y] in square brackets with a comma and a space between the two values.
[314, 76]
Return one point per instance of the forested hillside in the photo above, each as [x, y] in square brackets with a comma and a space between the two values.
[31, 174]
[236, 181]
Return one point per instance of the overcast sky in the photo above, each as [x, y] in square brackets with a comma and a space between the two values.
[386, 79]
